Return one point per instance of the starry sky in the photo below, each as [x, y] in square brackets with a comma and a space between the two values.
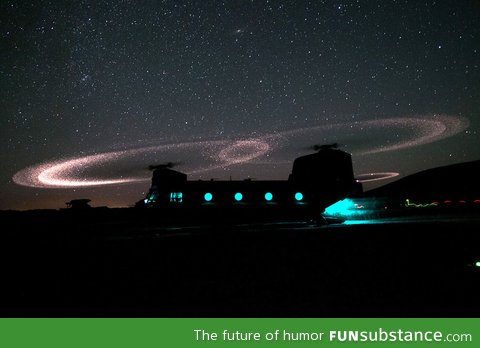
[92, 92]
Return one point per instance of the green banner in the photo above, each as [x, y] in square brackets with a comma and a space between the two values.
[239, 332]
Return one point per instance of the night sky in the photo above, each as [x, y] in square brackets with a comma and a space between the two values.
[92, 92]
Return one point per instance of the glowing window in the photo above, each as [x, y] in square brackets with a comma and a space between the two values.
[268, 196]
[238, 196]
[208, 197]
[151, 198]
[298, 196]
[176, 197]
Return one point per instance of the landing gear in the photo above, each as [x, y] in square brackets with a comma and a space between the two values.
[329, 220]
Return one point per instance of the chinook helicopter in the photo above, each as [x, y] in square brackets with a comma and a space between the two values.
[317, 180]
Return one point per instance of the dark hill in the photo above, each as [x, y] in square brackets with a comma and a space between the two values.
[457, 181]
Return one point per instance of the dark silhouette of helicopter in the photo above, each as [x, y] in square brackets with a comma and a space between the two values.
[317, 180]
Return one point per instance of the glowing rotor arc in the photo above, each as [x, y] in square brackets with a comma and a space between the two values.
[68, 173]
[369, 177]
[273, 148]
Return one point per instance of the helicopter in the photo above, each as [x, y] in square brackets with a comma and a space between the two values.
[317, 180]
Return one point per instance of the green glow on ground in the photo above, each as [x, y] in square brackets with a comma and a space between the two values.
[359, 222]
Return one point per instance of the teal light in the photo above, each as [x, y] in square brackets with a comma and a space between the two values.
[298, 196]
[238, 196]
[477, 264]
[208, 197]
[344, 208]
[350, 209]
[268, 196]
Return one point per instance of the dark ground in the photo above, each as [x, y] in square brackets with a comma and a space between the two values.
[122, 263]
